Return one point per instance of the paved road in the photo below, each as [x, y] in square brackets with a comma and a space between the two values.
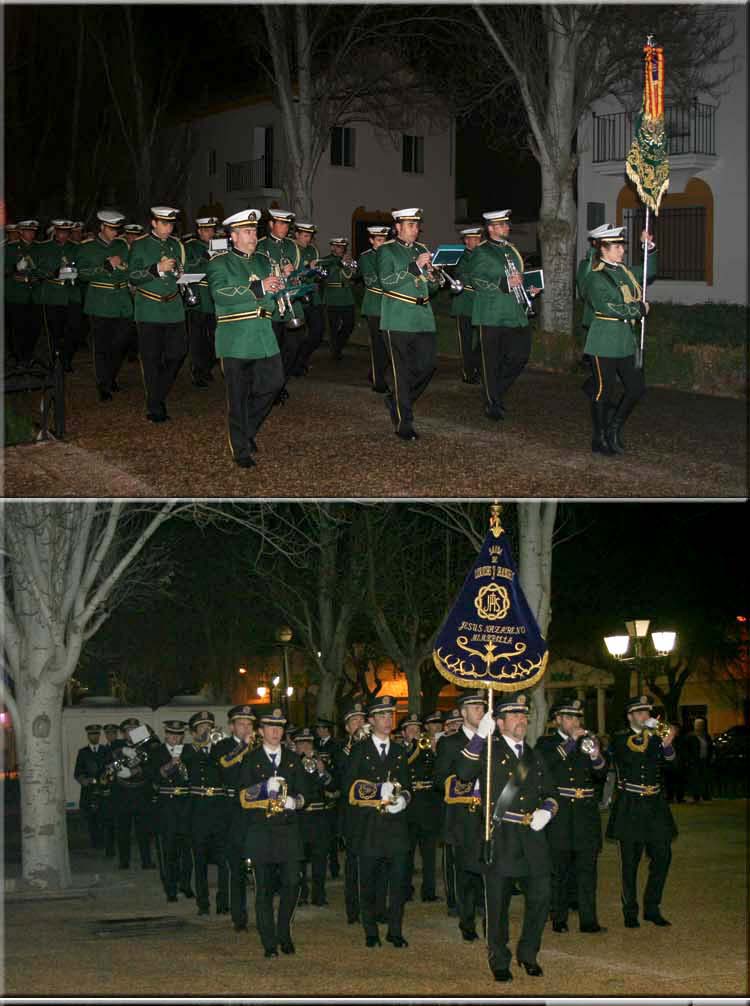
[334, 439]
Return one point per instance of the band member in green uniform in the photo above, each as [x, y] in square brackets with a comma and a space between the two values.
[103, 265]
[155, 261]
[338, 296]
[523, 796]
[372, 300]
[19, 265]
[241, 286]
[614, 304]
[309, 257]
[495, 270]
[406, 318]
[272, 788]
[462, 306]
[201, 318]
[377, 784]
[640, 818]
[576, 764]
[284, 254]
[52, 291]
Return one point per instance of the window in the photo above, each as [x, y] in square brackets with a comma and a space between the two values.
[680, 236]
[211, 162]
[412, 154]
[342, 146]
[594, 215]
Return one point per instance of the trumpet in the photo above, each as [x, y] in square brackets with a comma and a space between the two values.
[519, 292]
[437, 274]
[276, 803]
[216, 735]
[286, 310]
[189, 296]
[588, 743]
[658, 727]
[424, 741]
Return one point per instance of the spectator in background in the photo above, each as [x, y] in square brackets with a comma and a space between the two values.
[699, 750]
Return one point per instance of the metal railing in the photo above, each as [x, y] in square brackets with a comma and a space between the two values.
[690, 129]
[261, 173]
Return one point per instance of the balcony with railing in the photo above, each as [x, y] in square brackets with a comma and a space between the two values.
[691, 137]
[252, 176]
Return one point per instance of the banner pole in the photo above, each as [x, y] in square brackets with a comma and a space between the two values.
[487, 852]
[639, 354]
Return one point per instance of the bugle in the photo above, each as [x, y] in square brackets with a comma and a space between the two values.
[519, 292]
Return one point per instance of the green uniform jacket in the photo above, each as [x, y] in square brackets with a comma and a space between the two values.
[19, 285]
[337, 291]
[107, 293]
[493, 305]
[463, 303]
[196, 260]
[50, 257]
[372, 300]
[243, 311]
[406, 293]
[157, 300]
[306, 256]
[613, 295]
[280, 251]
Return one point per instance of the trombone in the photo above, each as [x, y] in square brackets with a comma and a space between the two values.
[519, 292]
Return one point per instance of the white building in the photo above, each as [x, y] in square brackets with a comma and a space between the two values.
[363, 175]
[701, 230]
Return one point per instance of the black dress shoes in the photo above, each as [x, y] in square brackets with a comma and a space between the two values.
[188, 892]
[240, 927]
[594, 928]
[559, 927]
[397, 941]
[407, 434]
[532, 969]
[271, 953]
[657, 918]
[431, 898]
[288, 948]
[171, 897]
[631, 922]
[502, 974]
[204, 911]
[245, 462]
[372, 941]
[469, 934]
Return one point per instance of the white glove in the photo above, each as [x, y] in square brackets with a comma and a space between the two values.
[124, 772]
[539, 819]
[386, 790]
[273, 785]
[397, 807]
[486, 725]
[290, 803]
[651, 722]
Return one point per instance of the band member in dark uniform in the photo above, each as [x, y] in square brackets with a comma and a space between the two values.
[377, 785]
[209, 813]
[271, 794]
[170, 777]
[576, 764]
[325, 747]
[131, 795]
[315, 819]
[640, 818]
[463, 822]
[522, 800]
[424, 813]
[89, 774]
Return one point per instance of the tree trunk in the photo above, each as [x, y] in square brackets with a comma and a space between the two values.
[326, 701]
[413, 683]
[44, 835]
[557, 237]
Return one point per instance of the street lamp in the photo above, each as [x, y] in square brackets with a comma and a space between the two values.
[618, 646]
[284, 638]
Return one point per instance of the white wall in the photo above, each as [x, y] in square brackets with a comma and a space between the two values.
[726, 176]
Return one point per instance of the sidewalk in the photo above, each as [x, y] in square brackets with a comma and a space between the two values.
[334, 439]
[71, 947]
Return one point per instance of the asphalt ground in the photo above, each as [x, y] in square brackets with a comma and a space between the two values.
[69, 947]
[333, 438]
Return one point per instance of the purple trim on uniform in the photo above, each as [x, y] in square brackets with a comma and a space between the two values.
[569, 745]
[475, 745]
[669, 751]
[598, 762]
[550, 805]
[406, 795]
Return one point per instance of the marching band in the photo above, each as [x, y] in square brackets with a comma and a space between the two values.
[261, 800]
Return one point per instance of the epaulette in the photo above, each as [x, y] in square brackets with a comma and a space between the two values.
[142, 236]
[87, 241]
[481, 243]
[390, 241]
[598, 267]
[48, 241]
[218, 255]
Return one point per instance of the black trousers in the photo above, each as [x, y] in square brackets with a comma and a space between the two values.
[605, 372]
[498, 892]
[76, 326]
[237, 887]
[177, 861]
[504, 353]
[412, 356]
[378, 353]
[427, 843]
[110, 337]
[467, 346]
[374, 870]
[274, 928]
[132, 811]
[581, 864]
[251, 387]
[313, 337]
[201, 332]
[209, 847]
[101, 827]
[162, 349]
[340, 327]
[449, 875]
[290, 342]
[316, 857]
[659, 856]
[469, 890]
[351, 885]
[24, 322]
[55, 326]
